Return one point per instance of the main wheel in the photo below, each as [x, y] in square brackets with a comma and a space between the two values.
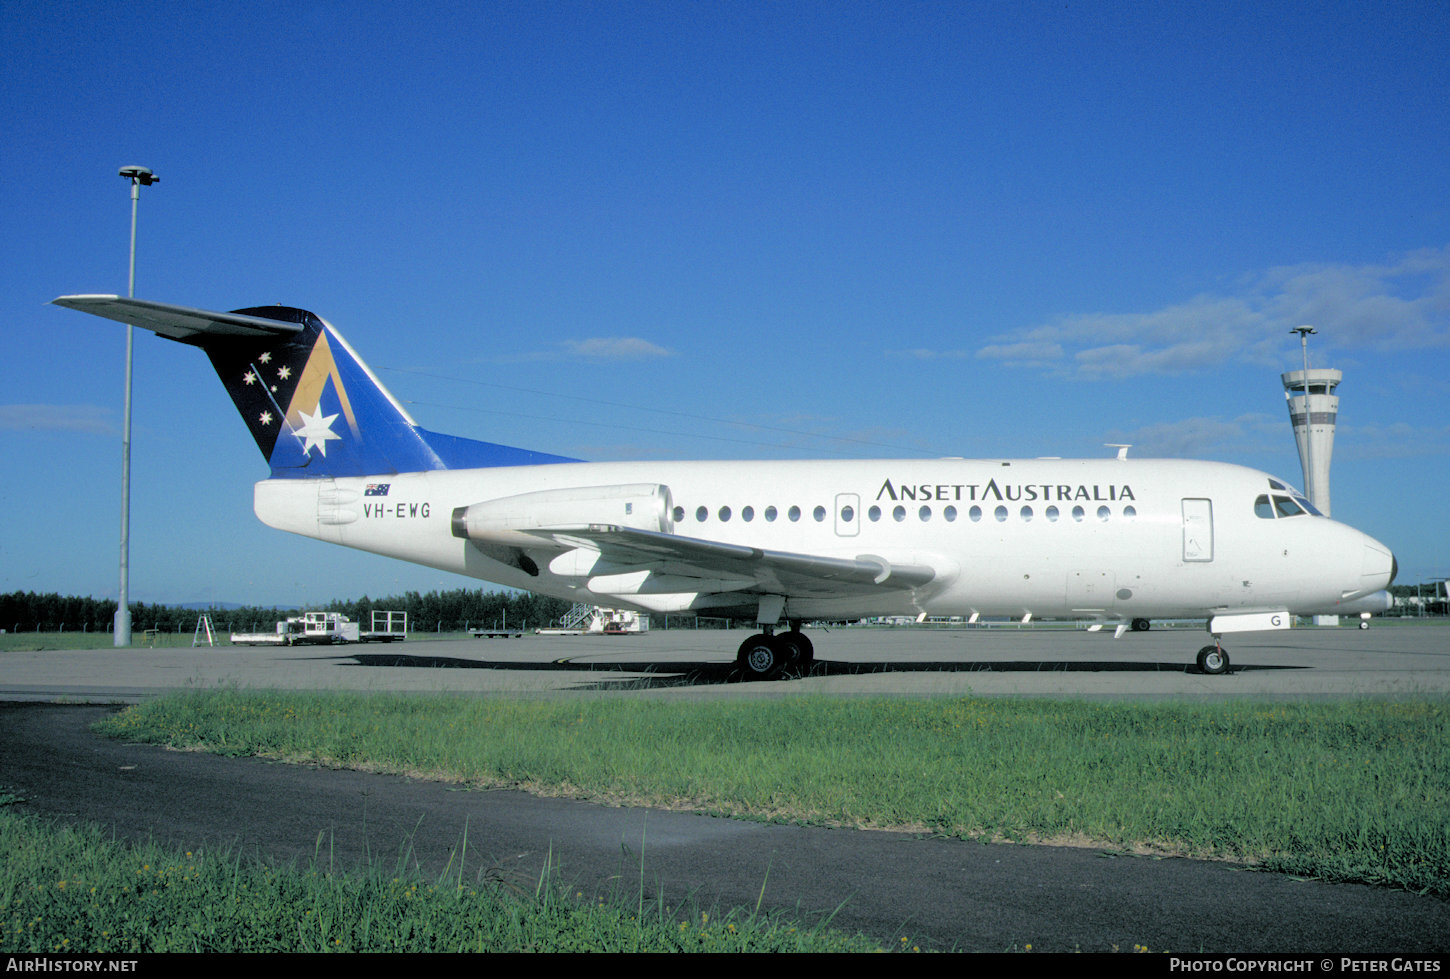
[1141, 625]
[760, 657]
[1213, 660]
[805, 652]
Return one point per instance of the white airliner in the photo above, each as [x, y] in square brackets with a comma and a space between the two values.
[780, 543]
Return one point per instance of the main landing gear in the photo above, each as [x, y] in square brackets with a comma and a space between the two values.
[770, 655]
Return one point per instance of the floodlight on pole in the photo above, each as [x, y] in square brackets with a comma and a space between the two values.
[139, 177]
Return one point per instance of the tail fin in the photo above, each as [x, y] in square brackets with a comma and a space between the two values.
[313, 406]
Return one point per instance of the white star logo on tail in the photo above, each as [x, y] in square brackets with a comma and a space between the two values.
[315, 431]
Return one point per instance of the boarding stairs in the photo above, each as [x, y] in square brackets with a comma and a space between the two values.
[577, 616]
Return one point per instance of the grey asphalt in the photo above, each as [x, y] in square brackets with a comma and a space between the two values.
[937, 893]
[1391, 659]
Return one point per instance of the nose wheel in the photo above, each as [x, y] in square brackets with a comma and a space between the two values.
[1213, 660]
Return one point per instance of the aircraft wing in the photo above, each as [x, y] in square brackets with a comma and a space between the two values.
[668, 563]
[178, 322]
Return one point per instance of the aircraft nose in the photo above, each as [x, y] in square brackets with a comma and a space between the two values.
[1379, 567]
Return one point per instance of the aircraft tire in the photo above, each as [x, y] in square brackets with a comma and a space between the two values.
[791, 654]
[1213, 660]
[760, 657]
[805, 652]
[1142, 625]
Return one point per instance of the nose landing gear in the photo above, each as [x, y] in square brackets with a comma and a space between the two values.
[1213, 660]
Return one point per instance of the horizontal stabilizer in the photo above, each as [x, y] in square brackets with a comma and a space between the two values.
[179, 322]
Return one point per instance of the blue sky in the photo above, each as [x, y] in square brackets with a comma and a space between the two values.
[721, 230]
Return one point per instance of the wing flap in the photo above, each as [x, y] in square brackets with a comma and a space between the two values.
[695, 564]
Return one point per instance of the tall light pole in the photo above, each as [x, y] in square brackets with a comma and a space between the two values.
[139, 177]
[1304, 332]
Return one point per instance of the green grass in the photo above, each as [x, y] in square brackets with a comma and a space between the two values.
[1342, 790]
[69, 889]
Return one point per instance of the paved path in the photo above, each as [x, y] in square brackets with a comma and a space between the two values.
[937, 893]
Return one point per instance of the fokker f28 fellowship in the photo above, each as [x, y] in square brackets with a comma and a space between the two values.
[780, 543]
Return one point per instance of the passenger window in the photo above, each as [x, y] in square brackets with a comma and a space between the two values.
[819, 513]
[1262, 508]
[1052, 514]
[724, 514]
[701, 514]
[924, 514]
[1078, 513]
[747, 514]
[874, 513]
[794, 513]
[950, 513]
[898, 514]
[679, 514]
[1026, 514]
[975, 513]
[847, 514]
[1001, 514]
[1103, 513]
[770, 514]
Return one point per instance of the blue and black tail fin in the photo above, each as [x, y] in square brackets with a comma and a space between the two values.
[313, 407]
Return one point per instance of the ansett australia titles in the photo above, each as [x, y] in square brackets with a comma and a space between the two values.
[1007, 492]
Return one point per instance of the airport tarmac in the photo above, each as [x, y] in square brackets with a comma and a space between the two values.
[1394, 659]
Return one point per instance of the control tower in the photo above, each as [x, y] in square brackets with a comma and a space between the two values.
[1314, 416]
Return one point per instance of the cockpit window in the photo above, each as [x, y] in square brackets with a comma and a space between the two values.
[1286, 502]
[1287, 506]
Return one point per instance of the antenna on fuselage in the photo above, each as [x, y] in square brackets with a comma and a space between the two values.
[1122, 449]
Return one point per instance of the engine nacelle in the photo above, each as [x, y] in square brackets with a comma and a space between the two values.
[510, 519]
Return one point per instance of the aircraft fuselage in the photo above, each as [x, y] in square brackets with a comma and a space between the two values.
[1084, 538]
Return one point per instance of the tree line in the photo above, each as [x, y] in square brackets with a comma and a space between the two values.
[443, 611]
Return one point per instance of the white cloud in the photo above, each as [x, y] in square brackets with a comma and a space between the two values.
[926, 353]
[86, 419]
[1260, 432]
[1026, 353]
[595, 348]
[1401, 305]
[1200, 438]
[615, 348]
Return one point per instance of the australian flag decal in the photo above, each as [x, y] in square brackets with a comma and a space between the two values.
[377, 489]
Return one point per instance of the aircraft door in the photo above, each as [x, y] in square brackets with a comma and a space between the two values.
[1197, 530]
[848, 515]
